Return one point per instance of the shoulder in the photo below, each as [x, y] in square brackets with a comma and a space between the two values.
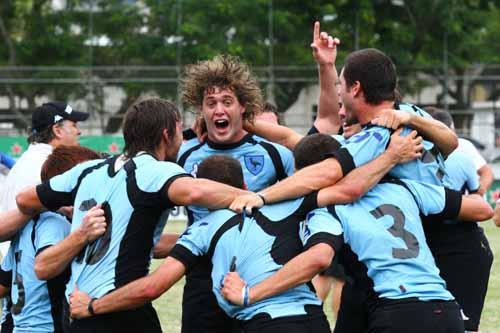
[282, 150]
[187, 148]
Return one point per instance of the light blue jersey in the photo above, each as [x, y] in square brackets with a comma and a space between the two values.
[372, 141]
[263, 163]
[262, 244]
[36, 304]
[385, 232]
[7, 323]
[461, 174]
[136, 197]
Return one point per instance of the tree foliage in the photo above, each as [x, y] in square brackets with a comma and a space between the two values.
[94, 33]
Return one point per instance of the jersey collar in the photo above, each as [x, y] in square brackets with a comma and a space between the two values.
[227, 146]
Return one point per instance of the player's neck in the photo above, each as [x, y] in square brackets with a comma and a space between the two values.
[370, 112]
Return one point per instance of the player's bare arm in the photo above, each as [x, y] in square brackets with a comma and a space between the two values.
[475, 209]
[10, 222]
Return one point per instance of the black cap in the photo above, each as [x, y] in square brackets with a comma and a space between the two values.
[53, 112]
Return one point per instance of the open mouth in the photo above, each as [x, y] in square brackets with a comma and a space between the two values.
[221, 123]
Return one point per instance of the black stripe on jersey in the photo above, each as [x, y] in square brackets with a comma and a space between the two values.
[185, 256]
[309, 203]
[6, 278]
[287, 243]
[8, 323]
[235, 220]
[345, 159]
[182, 159]
[276, 158]
[53, 200]
[135, 247]
[335, 241]
[56, 288]
[452, 205]
[313, 130]
[33, 230]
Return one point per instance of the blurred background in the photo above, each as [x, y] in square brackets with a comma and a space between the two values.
[101, 55]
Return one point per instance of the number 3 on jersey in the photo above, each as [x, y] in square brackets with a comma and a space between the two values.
[398, 231]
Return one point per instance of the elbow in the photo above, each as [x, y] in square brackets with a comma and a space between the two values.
[41, 272]
[452, 145]
[322, 258]
[22, 203]
[496, 217]
[486, 213]
[150, 292]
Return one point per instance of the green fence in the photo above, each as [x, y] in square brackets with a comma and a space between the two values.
[16, 145]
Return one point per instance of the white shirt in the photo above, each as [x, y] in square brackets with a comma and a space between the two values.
[26, 172]
[469, 149]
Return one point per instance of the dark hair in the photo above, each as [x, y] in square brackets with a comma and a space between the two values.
[144, 124]
[64, 158]
[313, 149]
[441, 115]
[43, 136]
[223, 169]
[375, 72]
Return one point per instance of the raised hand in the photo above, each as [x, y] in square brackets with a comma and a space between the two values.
[324, 46]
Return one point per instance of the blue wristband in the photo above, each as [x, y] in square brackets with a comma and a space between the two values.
[246, 296]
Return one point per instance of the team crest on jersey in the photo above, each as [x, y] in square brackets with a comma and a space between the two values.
[254, 163]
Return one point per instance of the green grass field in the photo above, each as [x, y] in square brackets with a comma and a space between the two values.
[169, 305]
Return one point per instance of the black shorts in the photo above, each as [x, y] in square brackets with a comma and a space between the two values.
[313, 322]
[143, 319]
[464, 262]
[353, 314]
[200, 310]
[413, 316]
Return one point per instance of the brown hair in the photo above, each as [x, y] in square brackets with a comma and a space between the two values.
[64, 158]
[223, 169]
[144, 124]
[313, 149]
[226, 72]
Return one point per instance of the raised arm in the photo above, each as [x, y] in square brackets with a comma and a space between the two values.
[275, 133]
[53, 260]
[324, 49]
[132, 295]
[433, 130]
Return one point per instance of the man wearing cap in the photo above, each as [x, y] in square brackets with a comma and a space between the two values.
[53, 124]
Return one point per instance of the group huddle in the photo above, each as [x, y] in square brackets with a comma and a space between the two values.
[268, 210]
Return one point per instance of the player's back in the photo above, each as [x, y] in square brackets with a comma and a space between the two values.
[37, 304]
[384, 230]
[135, 199]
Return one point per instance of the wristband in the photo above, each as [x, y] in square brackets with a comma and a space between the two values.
[245, 295]
[262, 198]
[90, 307]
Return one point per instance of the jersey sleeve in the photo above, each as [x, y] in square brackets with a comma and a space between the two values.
[156, 179]
[321, 227]
[435, 200]
[362, 148]
[471, 176]
[51, 229]
[192, 244]
[59, 190]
